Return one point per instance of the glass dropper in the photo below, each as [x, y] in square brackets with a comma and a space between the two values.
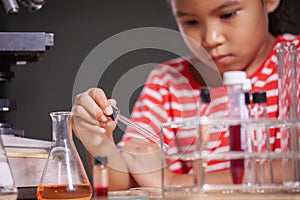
[149, 135]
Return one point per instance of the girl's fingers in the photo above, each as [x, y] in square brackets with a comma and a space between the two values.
[101, 100]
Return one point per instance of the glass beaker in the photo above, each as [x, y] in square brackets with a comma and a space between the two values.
[289, 109]
[8, 190]
[288, 81]
[64, 176]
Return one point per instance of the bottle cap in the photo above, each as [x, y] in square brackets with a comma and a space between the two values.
[247, 85]
[234, 77]
[205, 95]
[259, 97]
[100, 160]
[247, 98]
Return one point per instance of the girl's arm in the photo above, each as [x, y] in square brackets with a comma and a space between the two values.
[143, 160]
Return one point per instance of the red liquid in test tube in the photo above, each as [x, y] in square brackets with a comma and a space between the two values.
[100, 191]
[236, 165]
[100, 177]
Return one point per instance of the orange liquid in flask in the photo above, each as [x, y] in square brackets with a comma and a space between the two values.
[78, 192]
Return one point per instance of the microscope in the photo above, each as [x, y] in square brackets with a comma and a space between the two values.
[26, 156]
[12, 6]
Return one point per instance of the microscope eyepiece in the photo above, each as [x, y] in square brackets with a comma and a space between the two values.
[11, 6]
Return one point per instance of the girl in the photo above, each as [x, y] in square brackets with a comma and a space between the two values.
[239, 35]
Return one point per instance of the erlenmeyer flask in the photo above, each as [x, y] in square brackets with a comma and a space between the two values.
[8, 190]
[64, 176]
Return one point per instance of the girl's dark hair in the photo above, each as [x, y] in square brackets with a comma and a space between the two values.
[282, 20]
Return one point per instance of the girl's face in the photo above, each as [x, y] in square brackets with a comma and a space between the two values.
[233, 32]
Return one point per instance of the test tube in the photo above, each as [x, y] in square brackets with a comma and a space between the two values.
[100, 177]
[234, 81]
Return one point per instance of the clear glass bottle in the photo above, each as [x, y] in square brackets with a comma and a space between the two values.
[205, 100]
[260, 113]
[8, 190]
[100, 177]
[234, 82]
[262, 135]
[64, 176]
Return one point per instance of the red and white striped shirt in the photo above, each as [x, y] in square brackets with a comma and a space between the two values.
[171, 93]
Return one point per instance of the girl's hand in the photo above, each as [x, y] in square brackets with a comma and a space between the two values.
[91, 123]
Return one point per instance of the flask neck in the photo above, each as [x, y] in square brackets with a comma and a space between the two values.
[61, 126]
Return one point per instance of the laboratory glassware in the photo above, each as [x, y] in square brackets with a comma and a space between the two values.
[64, 176]
[234, 82]
[8, 189]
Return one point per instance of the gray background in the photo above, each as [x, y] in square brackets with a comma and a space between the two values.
[79, 26]
[46, 86]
